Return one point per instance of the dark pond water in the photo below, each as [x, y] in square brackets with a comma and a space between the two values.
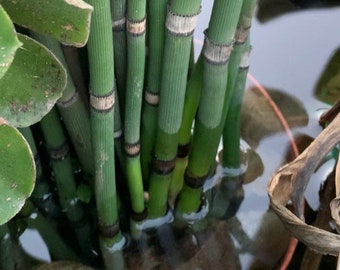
[289, 55]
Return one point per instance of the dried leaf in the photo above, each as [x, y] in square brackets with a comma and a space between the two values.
[290, 182]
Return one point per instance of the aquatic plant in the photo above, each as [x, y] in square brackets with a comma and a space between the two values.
[120, 157]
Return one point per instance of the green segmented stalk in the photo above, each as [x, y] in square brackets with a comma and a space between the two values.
[63, 173]
[216, 51]
[231, 130]
[156, 13]
[118, 134]
[7, 260]
[102, 88]
[180, 24]
[136, 26]
[56, 245]
[232, 126]
[41, 188]
[118, 10]
[73, 111]
[192, 97]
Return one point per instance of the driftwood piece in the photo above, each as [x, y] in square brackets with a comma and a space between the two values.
[289, 184]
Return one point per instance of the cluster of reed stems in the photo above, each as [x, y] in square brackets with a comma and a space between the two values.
[146, 131]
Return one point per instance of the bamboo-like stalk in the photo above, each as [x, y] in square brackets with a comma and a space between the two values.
[231, 131]
[102, 88]
[41, 188]
[192, 97]
[180, 25]
[231, 157]
[118, 10]
[58, 249]
[136, 26]
[73, 111]
[156, 13]
[7, 262]
[216, 51]
[65, 182]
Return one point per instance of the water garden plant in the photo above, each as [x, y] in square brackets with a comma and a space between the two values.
[116, 130]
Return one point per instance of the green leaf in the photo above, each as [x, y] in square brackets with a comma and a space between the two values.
[17, 171]
[32, 84]
[66, 20]
[9, 42]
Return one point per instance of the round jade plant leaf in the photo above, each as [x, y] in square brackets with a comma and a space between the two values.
[32, 84]
[68, 21]
[17, 171]
[9, 42]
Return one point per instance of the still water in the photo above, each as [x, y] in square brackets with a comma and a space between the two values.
[289, 54]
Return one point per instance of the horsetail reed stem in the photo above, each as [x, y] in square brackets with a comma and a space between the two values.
[232, 126]
[216, 51]
[57, 248]
[7, 260]
[73, 111]
[102, 88]
[192, 97]
[41, 187]
[156, 13]
[180, 25]
[231, 130]
[65, 182]
[118, 134]
[118, 10]
[136, 26]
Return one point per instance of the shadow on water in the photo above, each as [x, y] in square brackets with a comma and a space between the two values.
[241, 232]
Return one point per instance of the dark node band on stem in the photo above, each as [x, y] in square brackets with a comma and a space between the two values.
[119, 25]
[136, 28]
[183, 150]
[216, 54]
[139, 216]
[164, 167]
[151, 98]
[194, 182]
[241, 34]
[59, 153]
[108, 231]
[132, 149]
[181, 25]
[104, 103]
[69, 102]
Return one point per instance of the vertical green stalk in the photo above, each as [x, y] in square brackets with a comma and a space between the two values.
[136, 26]
[56, 245]
[156, 12]
[192, 97]
[7, 262]
[180, 25]
[118, 10]
[65, 182]
[216, 51]
[41, 189]
[73, 111]
[231, 131]
[102, 93]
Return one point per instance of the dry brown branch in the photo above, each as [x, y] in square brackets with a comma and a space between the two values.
[289, 184]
